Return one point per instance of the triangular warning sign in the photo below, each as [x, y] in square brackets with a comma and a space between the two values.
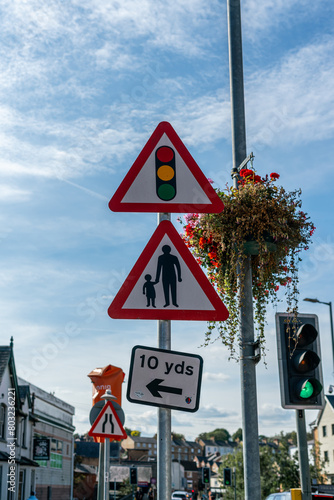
[167, 283]
[108, 424]
[165, 178]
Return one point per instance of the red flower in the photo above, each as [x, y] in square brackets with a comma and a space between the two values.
[246, 172]
[273, 175]
[202, 242]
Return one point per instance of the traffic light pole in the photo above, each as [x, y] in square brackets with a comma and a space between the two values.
[304, 468]
[247, 358]
[164, 414]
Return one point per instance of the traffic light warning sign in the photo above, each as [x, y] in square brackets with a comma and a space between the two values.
[167, 283]
[165, 178]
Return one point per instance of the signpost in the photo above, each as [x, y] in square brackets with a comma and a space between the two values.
[166, 282]
[160, 377]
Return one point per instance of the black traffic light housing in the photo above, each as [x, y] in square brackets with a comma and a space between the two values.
[299, 359]
[227, 476]
[206, 476]
[165, 173]
[133, 475]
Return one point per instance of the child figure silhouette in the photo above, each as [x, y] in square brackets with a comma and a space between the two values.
[148, 290]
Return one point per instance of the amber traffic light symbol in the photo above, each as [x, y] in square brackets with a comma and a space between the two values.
[165, 173]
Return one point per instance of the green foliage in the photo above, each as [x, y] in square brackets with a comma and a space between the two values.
[125, 488]
[217, 434]
[237, 436]
[177, 436]
[278, 471]
[233, 461]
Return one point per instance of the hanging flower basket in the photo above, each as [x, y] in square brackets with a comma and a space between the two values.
[260, 221]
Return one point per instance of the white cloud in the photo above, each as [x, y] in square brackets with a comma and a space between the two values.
[13, 195]
[294, 101]
[261, 18]
[215, 376]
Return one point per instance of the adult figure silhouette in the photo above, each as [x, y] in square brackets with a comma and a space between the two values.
[168, 266]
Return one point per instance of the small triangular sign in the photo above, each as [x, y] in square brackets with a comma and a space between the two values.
[108, 424]
[167, 283]
[174, 184]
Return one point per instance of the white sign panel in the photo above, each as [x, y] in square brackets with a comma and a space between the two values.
[160, 377]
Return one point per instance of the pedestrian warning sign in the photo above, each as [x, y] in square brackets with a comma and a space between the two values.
[167, 283]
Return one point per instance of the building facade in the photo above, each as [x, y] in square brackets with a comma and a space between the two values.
[26, 413]
[53, 421]
[324, 437]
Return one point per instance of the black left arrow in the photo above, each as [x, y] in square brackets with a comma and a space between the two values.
[155, 388]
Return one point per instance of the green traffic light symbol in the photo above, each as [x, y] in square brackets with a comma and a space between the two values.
[307, 390]
[165, 173]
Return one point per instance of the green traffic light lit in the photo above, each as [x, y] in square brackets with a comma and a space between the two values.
[307, 390]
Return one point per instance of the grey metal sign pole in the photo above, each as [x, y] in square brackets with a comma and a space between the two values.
[247, 357]
[304, 467]
[164, 414]
[107, 396]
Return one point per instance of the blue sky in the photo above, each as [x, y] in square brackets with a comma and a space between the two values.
[82, 87]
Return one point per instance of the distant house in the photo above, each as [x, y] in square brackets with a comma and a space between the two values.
[191, 474]
[145, 448]
[324, 436]
[211, 446]
[140, 448]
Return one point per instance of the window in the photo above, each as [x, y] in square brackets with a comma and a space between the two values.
[22, 480]
[324, 431]
[56, 454]
[2, 421]
[332, 429]
[326, 456]
[24, 431]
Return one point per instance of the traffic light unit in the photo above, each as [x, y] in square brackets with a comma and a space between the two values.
[133, 475]
[165, 173]
[299, 361]
[227, 477]
[206, 472]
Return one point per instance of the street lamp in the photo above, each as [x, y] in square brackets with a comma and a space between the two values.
[330, 316]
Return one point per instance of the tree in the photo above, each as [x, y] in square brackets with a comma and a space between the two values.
[126, 488]
[217, 434]
[135, 433]
[177, 436]
[278, 471]
[237, 436]
[233, 461]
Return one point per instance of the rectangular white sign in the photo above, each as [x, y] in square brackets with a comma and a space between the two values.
[160, 377]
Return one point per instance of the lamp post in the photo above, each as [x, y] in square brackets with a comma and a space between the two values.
[331, 320]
